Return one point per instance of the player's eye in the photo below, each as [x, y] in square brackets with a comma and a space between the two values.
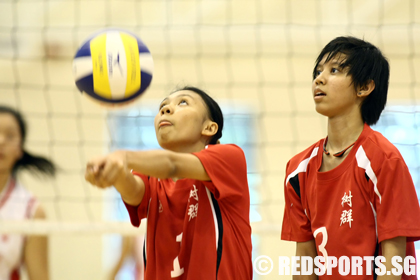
[11, 137]
[317, 72]
[183, 101]
[335, 70]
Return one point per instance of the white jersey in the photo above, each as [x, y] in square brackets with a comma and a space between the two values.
[16, 203]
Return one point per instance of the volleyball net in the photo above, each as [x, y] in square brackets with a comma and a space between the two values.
[255, 57]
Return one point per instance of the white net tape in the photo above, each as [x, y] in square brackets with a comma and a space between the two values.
[255, 57]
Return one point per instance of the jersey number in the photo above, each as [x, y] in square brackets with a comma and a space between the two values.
[324, 241]
[178, 271]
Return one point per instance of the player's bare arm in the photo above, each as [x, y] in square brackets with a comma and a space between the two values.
[165, 164]
[306, 249]
[390, 248]
[112, 170]
[115, 170]
[36, 252]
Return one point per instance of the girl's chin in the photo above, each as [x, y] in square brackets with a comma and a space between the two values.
[166, 144]
[321, 111]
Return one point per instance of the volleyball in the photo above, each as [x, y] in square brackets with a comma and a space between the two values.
[114, 67]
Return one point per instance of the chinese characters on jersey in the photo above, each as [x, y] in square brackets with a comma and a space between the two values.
[346, 215]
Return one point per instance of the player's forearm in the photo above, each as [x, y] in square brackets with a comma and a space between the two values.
[36, 252]
[154, 163]
[391, 248]
[36, 260]
[131, 189]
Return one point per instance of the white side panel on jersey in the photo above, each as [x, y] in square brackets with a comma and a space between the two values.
[302, 165]
[117, 64]
[216, 225]
[145, 233]
[364, 162]
[15, 207]
[146, 63]
[82, 67]
[374, 214]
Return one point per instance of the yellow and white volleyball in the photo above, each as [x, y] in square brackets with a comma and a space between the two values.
[113, 66]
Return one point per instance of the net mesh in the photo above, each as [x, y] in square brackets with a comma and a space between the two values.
[253, 56]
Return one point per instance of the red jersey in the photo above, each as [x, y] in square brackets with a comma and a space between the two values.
[349, 210]
[199, 229]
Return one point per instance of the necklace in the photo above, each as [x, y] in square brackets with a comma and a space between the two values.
[339, 154]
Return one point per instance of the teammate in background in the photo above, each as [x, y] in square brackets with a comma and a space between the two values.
[131, 248]
[351, 194]
[194, 193]
[16, 203]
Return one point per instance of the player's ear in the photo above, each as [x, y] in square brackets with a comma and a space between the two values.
[366, 89]
[210, 128]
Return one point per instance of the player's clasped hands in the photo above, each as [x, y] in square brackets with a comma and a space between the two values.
[105, 171]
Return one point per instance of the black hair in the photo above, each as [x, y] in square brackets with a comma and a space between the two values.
[28, 161]
[214, 112]
[365, 63]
